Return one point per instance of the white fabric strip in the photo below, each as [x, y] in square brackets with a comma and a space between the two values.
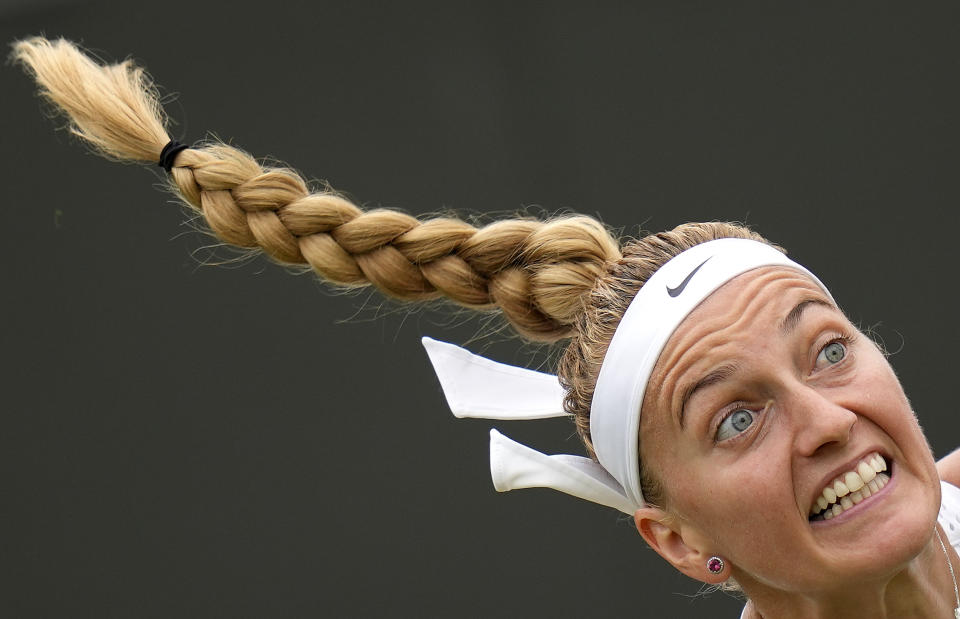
[478, 387]
[513, 466]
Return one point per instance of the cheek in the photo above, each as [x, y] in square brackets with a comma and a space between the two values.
[745, 512]
[735, 500]
[884, 403]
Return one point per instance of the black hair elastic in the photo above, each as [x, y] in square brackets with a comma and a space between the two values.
[169, 153]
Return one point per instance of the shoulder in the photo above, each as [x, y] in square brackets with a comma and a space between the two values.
[949, 468]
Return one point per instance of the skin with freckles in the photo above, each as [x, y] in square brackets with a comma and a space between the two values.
[794, 395]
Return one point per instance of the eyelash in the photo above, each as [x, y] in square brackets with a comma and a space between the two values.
[730, 411]
[847, 339]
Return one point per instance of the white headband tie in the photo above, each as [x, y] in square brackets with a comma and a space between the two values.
[478, 387]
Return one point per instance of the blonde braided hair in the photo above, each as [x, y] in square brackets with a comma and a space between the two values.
[554, 279]
[534, 271]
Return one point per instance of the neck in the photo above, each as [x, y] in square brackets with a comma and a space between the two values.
[924, 588]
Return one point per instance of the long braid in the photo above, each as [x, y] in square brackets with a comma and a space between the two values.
[552, 279]
[536, 272]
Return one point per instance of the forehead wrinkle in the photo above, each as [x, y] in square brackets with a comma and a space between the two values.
[671, 367]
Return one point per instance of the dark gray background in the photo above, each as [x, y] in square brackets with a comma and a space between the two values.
[191, 441]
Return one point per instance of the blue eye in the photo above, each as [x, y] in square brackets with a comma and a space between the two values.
[831, 354]
[735, 423]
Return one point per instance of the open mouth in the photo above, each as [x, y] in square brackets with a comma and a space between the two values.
[851, 488]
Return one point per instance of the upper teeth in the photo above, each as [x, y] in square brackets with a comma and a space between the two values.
[851, 487]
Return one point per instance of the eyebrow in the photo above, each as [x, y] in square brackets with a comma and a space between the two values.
[787, 325]
[790, 322]
[719, 374]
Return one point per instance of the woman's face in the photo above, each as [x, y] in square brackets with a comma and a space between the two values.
[764, 396]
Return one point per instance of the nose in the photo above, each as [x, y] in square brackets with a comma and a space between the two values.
[819, 422]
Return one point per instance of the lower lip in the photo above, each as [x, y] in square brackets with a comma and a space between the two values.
[857, 509]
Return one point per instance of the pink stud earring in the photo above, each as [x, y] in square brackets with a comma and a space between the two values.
[715, 565]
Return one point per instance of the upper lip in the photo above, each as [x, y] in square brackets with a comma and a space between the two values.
[850, 465]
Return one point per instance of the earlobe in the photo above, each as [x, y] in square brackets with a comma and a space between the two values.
[666, 538]
[661, 533]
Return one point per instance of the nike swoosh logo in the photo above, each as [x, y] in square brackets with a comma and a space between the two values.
[674, 292]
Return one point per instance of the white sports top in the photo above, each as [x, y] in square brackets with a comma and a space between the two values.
[949, 518]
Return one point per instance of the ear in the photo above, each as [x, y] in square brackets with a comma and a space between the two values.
[685, 552]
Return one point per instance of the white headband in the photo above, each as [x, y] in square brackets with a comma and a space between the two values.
[478, 387]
